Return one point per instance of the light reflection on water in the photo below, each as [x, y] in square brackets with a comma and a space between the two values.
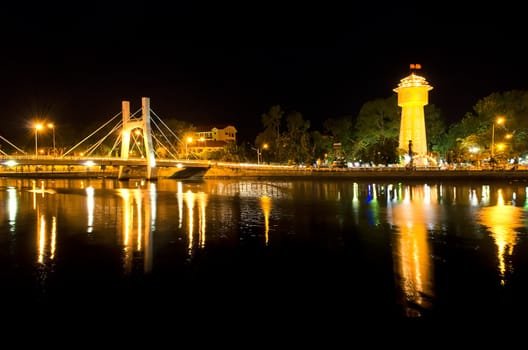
[412, 210]
[177, 227]
[505, 222]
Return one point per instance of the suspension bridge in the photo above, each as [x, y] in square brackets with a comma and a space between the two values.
[135, 144]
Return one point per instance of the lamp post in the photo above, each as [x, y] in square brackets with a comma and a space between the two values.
[189, 140]
[264, 147]
[259, 153]
[37, 128]
[499, 121]
[52, 127]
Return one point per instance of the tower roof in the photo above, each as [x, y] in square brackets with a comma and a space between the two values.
[413, 80]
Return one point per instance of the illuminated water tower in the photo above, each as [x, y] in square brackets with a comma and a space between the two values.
[413, 94]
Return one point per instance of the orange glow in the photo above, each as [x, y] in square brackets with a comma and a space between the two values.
[202, 203]
[136, 228]
[41, 228]
[189, 200]
[265, 203]
[411, 252]
[179, 196]
[502, 220]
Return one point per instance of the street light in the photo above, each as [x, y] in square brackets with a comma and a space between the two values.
[37, 128]
[259, 153]
[499, 121]
[52, 127]
[264, 147]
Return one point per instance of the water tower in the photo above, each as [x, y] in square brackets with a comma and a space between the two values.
[413, 92]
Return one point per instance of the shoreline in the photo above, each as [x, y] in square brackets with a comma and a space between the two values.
[368, 173]
[224, 172]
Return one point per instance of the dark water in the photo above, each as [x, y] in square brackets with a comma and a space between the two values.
[240, 252]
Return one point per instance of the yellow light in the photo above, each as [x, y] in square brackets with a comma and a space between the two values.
[499, 121]
[265, 203]
[502, 221]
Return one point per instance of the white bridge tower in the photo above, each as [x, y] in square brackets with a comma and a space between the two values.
[142, 123]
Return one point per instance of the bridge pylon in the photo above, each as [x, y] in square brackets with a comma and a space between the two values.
[142, 123]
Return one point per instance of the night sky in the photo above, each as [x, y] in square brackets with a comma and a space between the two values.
[229, 63]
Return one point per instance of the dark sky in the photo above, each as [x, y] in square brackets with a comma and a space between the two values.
[229, 63]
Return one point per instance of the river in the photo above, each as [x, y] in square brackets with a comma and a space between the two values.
[306, 250]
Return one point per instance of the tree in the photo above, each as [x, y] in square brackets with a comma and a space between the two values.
[297, 139]
[231, 153]
[342, 132]
[377, 131]
[319, 146]
[272, 131]
[435, 128]
[481, 124]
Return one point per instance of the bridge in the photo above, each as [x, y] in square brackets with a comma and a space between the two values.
[134, 134]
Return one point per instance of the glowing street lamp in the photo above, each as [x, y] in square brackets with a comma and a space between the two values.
[52, 127]
[37, 128]
[499, 121]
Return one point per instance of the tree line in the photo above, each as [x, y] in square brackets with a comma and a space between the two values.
[371, 136]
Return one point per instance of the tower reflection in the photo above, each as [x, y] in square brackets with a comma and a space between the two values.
[412, 210]
[190, 199]
[138, 221]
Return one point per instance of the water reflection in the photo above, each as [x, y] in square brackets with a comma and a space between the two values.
[411, 209]
[12, 206]
[374, 207]
[96, 230]
[46, 230]
[265, 203]
[190, 200]
[138, 217]
[503, 220]
[90, 204]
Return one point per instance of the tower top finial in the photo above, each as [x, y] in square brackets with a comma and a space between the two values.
[415, 66]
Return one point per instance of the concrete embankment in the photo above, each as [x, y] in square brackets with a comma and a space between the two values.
[270, 172]
[219, 172]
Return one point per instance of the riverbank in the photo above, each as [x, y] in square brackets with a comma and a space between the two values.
[265, 172]
[225, 172]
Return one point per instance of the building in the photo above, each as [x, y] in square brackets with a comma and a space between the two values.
[210, 139]
[224, 133]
